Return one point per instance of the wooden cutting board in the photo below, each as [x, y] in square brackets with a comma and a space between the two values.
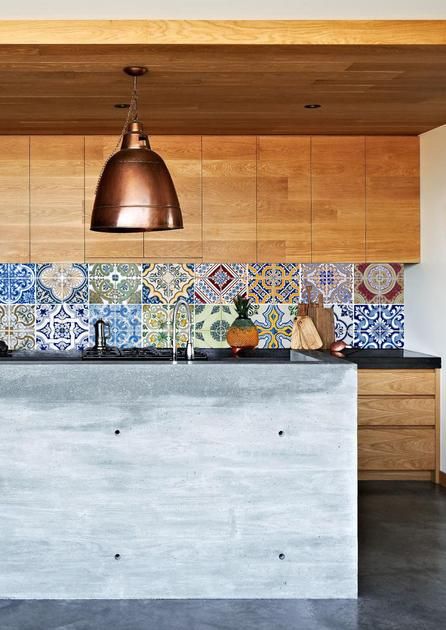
[323, 319]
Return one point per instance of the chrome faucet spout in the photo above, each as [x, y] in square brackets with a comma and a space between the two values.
[189, 345]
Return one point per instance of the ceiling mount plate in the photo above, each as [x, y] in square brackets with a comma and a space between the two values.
[135, 71]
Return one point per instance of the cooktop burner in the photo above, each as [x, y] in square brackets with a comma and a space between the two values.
[138, 354]
[4, 350]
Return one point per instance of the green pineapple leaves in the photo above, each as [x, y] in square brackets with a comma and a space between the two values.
[243, 306]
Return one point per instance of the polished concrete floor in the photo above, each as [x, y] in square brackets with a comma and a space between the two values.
[402, 583]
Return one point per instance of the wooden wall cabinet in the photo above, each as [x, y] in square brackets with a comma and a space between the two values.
[399, 424]
[14, 199]
[229, 198]
[338, 198]
[57, 198]
[283, 199]
[244, 199]
[393, 199]
[182, 155]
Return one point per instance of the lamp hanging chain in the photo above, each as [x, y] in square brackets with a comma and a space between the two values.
[132, 115]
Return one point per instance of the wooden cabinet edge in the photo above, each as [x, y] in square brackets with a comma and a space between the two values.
[437, 424]
[396, 475]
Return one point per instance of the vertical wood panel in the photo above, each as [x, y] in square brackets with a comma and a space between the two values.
[14, 198]
[338, 198]
[182, 155]
[229, 198]
[393, 199]
[104, 245]
[57, 198]
[283, 199]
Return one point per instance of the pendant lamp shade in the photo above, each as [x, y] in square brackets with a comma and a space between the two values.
[135, 192]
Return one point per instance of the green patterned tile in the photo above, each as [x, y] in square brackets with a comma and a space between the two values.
[210, 329]
[157, 326]
[17, 326]
[111, 283]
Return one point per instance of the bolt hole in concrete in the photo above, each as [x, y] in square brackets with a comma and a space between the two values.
[117, 432]
[117, 556]
[281, 556]
[281, 432]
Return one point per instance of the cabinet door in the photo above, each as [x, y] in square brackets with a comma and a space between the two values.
[182, 155]
[14, 198]
[229, 198]
[396, 449]
[283, 199]
[338, 198]
[393, 199]
[103, 245]
[57, 198]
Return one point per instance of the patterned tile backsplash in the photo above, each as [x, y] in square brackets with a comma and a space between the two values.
[54, 306]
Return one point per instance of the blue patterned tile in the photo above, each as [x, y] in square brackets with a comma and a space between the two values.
[17, 283]
[219, 283]
[62, 282]
[165, 283]
[333, 281]
[61, 326]
[344, 323]
[379, 326]
[274, 324]
[272, 283]
[125, 323]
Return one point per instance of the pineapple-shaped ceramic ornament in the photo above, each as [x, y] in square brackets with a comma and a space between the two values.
[242, 334]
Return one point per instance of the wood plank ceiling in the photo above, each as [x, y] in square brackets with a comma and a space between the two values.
[224, 89]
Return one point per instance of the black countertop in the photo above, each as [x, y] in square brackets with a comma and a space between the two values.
[369, 358]
[363, 358]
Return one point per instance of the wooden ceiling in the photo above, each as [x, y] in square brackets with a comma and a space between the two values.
[224, 89]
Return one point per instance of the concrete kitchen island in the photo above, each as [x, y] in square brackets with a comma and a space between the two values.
[153, 480]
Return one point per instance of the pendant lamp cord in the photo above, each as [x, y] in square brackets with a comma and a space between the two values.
[132, 115]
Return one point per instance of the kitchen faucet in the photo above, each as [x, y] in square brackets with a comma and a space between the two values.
[189, 345]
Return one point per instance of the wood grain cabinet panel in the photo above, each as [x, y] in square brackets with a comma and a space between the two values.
[396, 382]
[393, 199]
[396, 449]
[57, 198]
[396, 411]
[283, 199]
[182, 155]
[229, 198]
[98, 245]
[14, 198]
[338, 198]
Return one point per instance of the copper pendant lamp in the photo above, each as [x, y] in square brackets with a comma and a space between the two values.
[135, 192]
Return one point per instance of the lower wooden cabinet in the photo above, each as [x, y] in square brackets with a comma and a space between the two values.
[398, 424]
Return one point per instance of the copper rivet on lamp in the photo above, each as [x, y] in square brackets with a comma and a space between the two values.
[135, 192]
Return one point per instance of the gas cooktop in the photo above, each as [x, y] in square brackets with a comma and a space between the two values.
[138, 354]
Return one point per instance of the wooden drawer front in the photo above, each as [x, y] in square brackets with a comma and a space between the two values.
[396, 449]
[383, 410]
[396, 382]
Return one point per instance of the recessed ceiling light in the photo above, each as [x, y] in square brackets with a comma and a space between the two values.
[312, 106]
[121, 105]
